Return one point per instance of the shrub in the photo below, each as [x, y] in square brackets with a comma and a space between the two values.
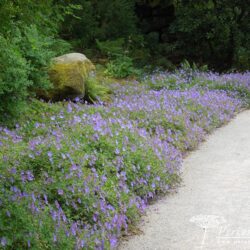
[102, 20]
[121, 67]
[36, 48]
[95, 91]
[111, 48]
[25, 55]
[242, 59]
[121, 64]
[14, 82]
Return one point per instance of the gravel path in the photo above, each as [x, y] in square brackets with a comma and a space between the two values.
[212, 207]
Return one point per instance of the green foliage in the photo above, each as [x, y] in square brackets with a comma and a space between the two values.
[24, 221]
[25, 57]
[101, 20]
[19, 13]
[132, 46]
[28, 41]
[191, 76]
[14, 82]
[76, 176]
[121, 67]
[97, 91]
[112, 48]
[36, 48]
[242, 59]
[192, 67]
[187, 76]
[232, 88]
[189, 71]
[213, 32]
[20, 221]
[121, 64]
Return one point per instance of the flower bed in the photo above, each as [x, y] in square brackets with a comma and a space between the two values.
[76, 176]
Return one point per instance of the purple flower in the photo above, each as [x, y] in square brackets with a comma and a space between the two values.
[113, 241]
[77, 99]
[54, 215]
[60, 192]
[112, 156]
[95, 217]
[29, 176]
[50, 154]
[54, 237]
[13, 170]
[82, 243]
[158, 178]
[3, 241]
[69, 108]
[73, 229]
[45, 199]
[74, 167]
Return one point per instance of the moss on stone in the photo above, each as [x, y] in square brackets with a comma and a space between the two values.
[68, 79]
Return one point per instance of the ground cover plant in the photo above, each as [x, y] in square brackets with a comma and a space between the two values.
[76, 176]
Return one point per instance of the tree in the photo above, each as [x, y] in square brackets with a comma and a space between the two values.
[212, 32]
[101, 20]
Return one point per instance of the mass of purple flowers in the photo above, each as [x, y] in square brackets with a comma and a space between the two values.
[76, 176]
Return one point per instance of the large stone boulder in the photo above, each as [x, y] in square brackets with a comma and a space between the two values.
[68, 74]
